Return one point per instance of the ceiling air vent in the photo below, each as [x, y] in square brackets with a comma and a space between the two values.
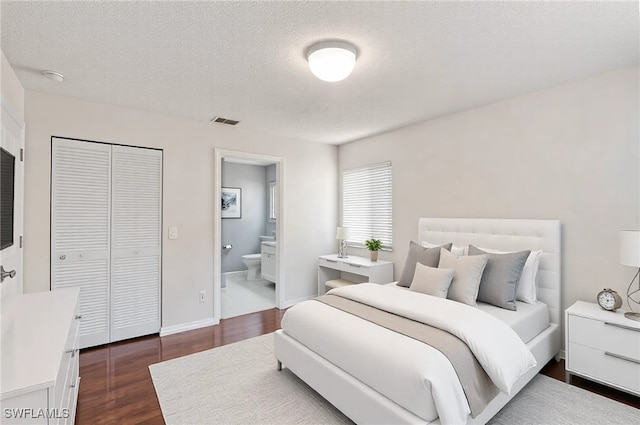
[222, 120]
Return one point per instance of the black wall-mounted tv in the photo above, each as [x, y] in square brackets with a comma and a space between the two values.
[7, 182]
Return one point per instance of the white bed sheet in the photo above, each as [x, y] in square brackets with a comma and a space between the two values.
[376, 356]
[527, 321]
[382, 359]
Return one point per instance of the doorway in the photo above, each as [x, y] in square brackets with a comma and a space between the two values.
[232, 236]
[11, 204]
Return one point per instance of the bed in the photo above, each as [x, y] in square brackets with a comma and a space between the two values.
[366, 370]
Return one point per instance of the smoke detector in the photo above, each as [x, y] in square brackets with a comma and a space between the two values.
[54, 76]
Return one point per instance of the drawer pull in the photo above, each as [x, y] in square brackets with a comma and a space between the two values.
[331, 261]
[355, 265]
[73, 352]
[73, 385]
[622, 326]
[618, 356]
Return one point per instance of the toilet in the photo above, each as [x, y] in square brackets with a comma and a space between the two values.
[252, 261]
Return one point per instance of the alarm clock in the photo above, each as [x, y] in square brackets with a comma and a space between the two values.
[609, 299]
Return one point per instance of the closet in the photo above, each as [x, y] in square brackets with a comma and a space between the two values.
[106, 228]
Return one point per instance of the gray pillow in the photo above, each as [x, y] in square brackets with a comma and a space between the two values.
[431, 281]
[499, 283]
[418, 254]
[466, 276]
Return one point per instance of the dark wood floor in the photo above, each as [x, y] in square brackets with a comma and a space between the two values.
[116, 386]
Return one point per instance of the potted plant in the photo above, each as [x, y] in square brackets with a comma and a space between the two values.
[373, 245]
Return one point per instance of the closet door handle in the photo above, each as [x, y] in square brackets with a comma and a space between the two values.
[63, 257]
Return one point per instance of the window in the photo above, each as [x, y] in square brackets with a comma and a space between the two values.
[273, 201]
[366, 204]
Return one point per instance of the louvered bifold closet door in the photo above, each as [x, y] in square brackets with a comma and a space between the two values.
[135, 242]
[80, 231]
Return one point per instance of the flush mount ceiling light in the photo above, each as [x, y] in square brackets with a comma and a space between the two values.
[52, 75]
[331, 60]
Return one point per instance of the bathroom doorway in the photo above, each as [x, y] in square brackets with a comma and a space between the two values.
[248, 225]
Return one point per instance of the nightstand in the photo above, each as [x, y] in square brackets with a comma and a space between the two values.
[334, 272]
[602, 346]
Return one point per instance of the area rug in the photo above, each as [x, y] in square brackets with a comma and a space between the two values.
[239, 384]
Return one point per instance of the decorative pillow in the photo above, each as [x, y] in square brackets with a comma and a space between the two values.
[499, 281]
[417, 254]
[431, 280]
[466, 277]
[527, 291]
[455, 249]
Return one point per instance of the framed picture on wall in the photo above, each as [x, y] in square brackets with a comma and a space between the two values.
[231, 202]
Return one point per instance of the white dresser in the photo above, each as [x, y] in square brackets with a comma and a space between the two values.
[39, 349]
[334, 271]
[603, 346]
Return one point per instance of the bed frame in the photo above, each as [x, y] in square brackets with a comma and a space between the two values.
[362, 404]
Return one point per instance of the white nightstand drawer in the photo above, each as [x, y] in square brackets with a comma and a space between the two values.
[344, 266]
[605, 336]
[605, 367]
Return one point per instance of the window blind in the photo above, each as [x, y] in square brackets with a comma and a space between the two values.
[366, 204]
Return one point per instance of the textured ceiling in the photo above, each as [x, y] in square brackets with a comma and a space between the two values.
[245, 60]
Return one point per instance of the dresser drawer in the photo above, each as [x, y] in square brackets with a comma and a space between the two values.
[594, 363]
[344, 266]
[67, 373]
[70, 395]
[604, 336]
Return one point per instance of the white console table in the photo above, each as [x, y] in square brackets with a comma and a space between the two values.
[334, 271]
[39, 349]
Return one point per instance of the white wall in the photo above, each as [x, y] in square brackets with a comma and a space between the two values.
[310, 180]
[570, 153]
[12, 90]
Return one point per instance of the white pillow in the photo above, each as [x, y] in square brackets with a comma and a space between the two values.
[466, 277]
[455, 249]
[527, 291]
[431, 280]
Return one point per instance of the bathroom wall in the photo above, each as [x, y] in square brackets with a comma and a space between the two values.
[243, 233]
[270, 226]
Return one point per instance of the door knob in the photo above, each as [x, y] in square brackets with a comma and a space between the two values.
[6, 274]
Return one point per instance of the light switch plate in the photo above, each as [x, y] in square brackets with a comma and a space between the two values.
[173, 232]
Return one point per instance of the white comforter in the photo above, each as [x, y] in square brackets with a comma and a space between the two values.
[412, 374]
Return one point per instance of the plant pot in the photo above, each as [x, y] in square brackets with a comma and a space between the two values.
[374, 255]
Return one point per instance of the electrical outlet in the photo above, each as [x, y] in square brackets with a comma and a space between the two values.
[201, 296]
[173, 233]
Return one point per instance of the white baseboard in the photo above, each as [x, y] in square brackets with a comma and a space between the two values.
[170, 330]
[225, 275]
[236, 273]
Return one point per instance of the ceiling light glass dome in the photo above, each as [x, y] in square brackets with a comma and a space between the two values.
[331, 60]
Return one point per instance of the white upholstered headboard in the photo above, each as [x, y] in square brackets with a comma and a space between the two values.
[507, 235]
